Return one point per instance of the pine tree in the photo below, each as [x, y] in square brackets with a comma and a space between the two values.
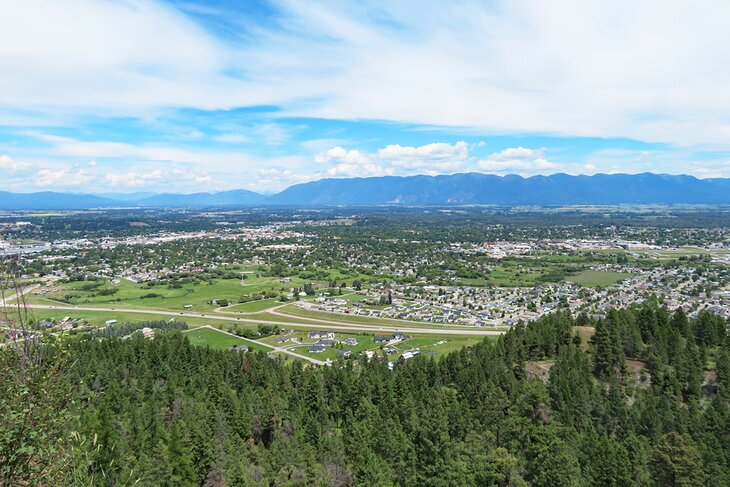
[179, 459]
[608, 356]
[571, 387]
[605, 462]
[676, 462]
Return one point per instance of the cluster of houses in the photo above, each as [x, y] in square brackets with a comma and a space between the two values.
[326, 339]
[500, 249]
[680, 286]
[67, 323]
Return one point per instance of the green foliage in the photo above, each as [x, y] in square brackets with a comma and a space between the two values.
[164, 412]
[124, 329]
[34, 411]
[676, 462]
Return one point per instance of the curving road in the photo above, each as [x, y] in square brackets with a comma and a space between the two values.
[329, 325]
[273, 348]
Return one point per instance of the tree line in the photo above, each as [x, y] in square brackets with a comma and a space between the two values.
[645, 401]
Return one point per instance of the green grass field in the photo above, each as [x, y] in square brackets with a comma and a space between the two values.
[137, 295]
[215, 339]
[589, 278]
[439, 345]
[254, 306]
[207, 337]
[173, 300]
[97, 318]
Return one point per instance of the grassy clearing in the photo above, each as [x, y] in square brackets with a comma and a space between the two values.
[254, 306]
[207, 337]
[97, 318]
[671, 254]
[439, 345]
[589, 278]
[585, 333]
[137, 295]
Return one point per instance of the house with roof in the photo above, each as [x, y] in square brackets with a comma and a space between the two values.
[317, 334]
[409, 355]
[388, 339]
[316, 349]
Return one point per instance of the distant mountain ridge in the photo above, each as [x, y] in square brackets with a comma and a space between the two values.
[477, 188]
[455, 189]
[224, 198]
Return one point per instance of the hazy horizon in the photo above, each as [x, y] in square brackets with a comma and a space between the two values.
[140, 193]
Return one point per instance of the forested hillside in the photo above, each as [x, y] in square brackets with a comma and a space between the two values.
[647, 402]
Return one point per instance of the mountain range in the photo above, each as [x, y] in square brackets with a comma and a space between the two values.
[455, 189]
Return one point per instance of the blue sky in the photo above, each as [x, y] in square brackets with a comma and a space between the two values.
[151, 95]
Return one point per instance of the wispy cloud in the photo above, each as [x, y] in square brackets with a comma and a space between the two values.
[572, 69]
[577, 68]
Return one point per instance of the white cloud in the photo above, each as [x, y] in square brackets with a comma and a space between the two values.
[125, 179]
[116, 165]
[129, 179]
[126, 55]
[348, 163]
[573, 68]
[8, 164]
[170, 177]
[435, 151]
[393, 159]
[517, 153]
[341, 156]
[62, 177]
[271, 179]
[369, 169]
[220, 160]
[47, 177]
[605, 73]
[518, 159]
[437, 156]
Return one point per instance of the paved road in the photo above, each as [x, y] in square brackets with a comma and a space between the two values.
[223, 309]
[327, 321]
[341, 326]
[389, 319]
